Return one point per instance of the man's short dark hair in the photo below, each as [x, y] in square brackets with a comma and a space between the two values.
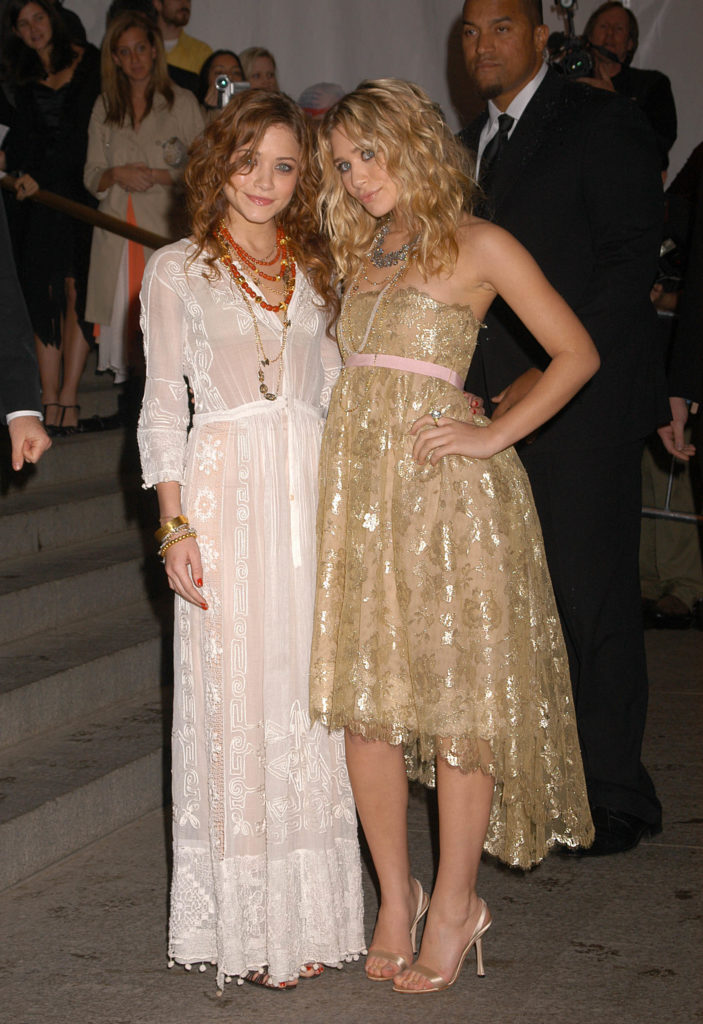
[533, 10]
[118, 7]
[634, 29]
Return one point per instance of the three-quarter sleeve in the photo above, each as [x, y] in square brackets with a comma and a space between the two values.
[164, 418]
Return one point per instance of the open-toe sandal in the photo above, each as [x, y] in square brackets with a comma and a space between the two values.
[263, 978]
[437, 982]
[423, 902]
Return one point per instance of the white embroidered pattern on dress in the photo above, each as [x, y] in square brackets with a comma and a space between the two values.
[265, 858]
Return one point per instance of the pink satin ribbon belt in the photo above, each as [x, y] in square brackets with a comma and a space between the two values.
[406, 365]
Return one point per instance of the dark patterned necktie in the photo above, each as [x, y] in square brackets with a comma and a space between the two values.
[491, 154]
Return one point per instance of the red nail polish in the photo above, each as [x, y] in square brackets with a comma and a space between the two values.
[204, 606]
[199, 583]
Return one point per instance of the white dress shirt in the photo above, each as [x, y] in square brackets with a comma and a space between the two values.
[516, 110]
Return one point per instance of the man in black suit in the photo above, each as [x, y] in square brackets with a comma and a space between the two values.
[19, 379]
[573, 173]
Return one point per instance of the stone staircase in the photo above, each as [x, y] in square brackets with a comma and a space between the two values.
[85, 645]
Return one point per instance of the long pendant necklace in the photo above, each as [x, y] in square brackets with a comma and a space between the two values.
[228, 243]
[376, 322]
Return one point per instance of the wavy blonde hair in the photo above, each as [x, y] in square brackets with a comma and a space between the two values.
[225, 148]
[248, 56]
[431, 169]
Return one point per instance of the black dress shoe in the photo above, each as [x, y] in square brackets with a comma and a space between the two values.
[616, 832]
[670, 612]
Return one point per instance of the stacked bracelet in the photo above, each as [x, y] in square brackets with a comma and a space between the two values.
[175, 536]
[170, 526]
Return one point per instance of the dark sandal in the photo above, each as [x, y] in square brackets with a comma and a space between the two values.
[52, 429]
[67, 431]
[263, 978]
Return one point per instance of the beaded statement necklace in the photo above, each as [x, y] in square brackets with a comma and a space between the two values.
[382, 259]
[230, 250]
[286, 274]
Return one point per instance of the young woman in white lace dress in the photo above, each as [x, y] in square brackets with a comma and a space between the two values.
[266, 873]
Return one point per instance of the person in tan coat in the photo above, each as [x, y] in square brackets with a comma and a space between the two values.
[138, 139]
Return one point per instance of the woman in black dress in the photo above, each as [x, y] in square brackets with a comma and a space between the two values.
[55, 84]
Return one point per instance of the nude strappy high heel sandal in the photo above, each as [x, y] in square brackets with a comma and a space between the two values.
[437, 982]
[423, 902]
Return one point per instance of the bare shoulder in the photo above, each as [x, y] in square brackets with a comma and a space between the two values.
[477, 236]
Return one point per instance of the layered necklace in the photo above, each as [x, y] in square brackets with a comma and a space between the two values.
[231, 250]
[377, 317]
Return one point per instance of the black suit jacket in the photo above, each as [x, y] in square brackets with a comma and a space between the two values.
[686, 359]
[19, 380]
[651, 91]
[579, 185]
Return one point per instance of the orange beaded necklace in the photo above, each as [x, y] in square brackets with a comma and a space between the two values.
[286, 273]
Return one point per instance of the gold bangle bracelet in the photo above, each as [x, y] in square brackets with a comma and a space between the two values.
[169, 526]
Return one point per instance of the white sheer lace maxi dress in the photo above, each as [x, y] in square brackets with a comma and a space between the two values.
[266, 863]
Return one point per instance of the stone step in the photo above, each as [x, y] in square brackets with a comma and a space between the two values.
[77, 784]
[43, 518]
[57, 587]
[98, 395]
[53, 677]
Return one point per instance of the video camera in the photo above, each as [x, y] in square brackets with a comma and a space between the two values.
[569, 53]
[572, 54]
[226, 89]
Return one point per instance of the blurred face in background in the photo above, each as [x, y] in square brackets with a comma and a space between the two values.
[612, 30]
[34, 27]
[174, 12]
[228, 65]
[263, 74]
[135, 55]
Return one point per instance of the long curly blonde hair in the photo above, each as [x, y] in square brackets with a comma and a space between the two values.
[432, 172]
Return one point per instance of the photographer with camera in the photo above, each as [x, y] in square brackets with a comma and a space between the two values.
[612, 33]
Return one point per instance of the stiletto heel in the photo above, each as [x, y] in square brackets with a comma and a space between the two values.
[437, 982]
[479, 958]
[423, 902]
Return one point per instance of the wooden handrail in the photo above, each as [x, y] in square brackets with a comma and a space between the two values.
[86, 213]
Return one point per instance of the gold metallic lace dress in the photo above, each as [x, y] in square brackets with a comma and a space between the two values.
[435, 623]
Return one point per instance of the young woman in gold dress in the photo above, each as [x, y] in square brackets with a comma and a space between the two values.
[436, 642]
